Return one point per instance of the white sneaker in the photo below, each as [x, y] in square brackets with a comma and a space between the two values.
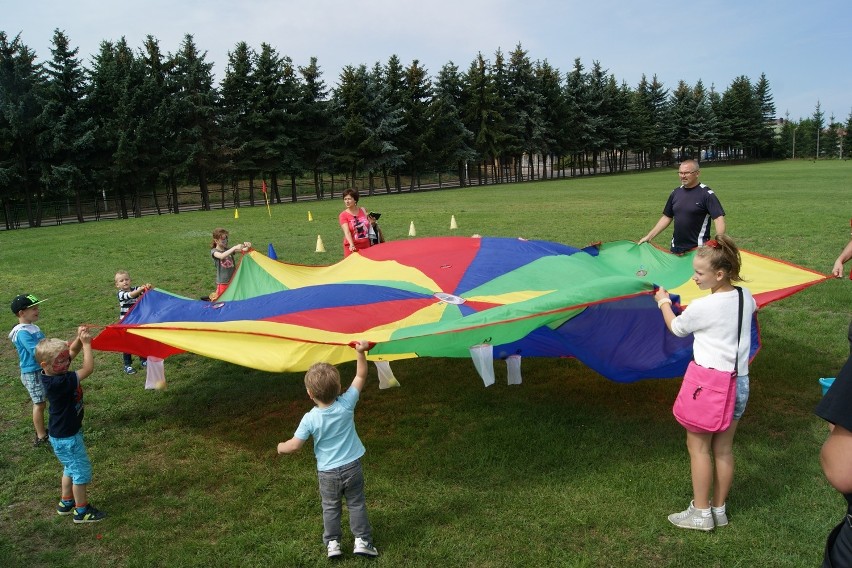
[720, 519]
[692, 518]
[334, 549]
[364, 548]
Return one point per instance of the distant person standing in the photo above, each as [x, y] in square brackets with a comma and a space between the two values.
[128, 295]
[355, 224]
[691, 205]
[223, 260]
[26, 335]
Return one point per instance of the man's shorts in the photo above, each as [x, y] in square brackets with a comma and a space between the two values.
[71, 453]
[32, 382]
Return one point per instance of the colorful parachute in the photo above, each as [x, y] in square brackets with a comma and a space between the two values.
[437, 297]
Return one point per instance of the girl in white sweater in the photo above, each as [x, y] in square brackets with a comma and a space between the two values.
[713, 322]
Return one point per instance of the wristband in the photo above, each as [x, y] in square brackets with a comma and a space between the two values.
[662, 301]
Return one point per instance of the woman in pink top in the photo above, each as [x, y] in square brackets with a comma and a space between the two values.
[354, 223]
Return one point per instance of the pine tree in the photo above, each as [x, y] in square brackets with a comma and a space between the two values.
[113, 101]
[394, 87]
[154, 147]
[67, 136]
[741, 111]
[481, 114]
[383, 123]
[267, 120]
[292, 159]
[818, 121]
[641, 129]
[22, 85]
[417, 91]
[831, 139]
[766, 136]
[236, 91]
[349, 109]
[449, 142]
[525, 102]
[196, 98]
[315, 124]
[580, 121]
[618, 108]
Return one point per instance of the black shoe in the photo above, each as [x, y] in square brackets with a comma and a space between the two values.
[90, 515]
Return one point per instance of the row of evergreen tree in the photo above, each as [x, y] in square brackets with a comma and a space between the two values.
[813, 137]
[135, 121]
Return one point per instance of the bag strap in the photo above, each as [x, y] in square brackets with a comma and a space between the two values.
[739, 331]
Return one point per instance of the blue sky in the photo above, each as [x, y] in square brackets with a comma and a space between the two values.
[801, 46]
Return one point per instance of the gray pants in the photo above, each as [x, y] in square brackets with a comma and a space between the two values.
[344, 481]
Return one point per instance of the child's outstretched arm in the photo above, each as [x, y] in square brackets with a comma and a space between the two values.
[88, 358]
[242, 247]
[292, 445]
[140, 290]
[360, 379]
[76, 345]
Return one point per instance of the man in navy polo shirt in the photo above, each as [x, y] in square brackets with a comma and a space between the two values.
[691, 206]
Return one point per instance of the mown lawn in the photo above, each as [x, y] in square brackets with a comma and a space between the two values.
[568, 469]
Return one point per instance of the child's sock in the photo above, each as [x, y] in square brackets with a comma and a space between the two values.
[719, 510]
[82, 508]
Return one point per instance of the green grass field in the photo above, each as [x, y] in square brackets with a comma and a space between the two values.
[568, 469]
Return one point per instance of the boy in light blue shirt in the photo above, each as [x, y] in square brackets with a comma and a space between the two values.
[26, 336]
[338, 451]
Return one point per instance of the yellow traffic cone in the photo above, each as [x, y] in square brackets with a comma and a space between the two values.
[320, 246]
[236, 213]
[411, 231]
[310, 217]
[453, 224]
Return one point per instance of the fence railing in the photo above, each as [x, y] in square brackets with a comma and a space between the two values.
[108, 205]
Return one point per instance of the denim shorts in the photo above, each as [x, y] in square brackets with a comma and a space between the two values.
[32, 382]
[71, 453]
[742, 396]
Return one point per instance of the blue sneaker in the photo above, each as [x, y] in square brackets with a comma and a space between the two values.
[63, 509]
[89, 515]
